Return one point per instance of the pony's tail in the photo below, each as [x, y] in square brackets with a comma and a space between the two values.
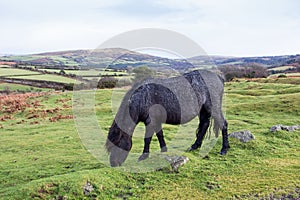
[216, 128]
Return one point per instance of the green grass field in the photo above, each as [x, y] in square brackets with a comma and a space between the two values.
[32, 75]
[47, 77]
[15, 72]
[45, 159]
[90, 72]
[21, 88]
[281, 68]
[285, 74]
[76, 72]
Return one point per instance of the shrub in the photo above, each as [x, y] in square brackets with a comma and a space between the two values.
[251, 71]
[107, 82]
[282, 76]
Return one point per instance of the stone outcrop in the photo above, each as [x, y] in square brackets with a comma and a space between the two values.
[280, 127]
[243, 136]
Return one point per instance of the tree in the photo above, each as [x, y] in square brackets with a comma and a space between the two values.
[142, 72]
[107, 82]
[62, 72]
[249, 71]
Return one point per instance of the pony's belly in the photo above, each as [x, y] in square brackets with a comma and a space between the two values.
[180, 119]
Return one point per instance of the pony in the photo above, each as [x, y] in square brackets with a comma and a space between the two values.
[176, 101]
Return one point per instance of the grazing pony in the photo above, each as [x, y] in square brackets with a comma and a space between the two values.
[174, 100]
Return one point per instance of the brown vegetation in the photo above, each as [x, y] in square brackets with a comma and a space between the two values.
[17, 103]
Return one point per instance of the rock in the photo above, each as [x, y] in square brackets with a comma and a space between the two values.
[243, 136]
[276, 128]
[61, 197]
[287, 128]
[296, 127]
[280, 127]
[88, 188]
[176, 161]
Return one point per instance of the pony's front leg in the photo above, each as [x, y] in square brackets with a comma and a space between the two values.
[202, 128]
[147, 140]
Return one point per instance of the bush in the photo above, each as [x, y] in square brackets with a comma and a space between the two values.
[142, 72]
[282, 76]
[251, 71]
[107, 82]
[68, 86]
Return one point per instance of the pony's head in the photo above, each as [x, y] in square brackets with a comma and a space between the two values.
[118, 145]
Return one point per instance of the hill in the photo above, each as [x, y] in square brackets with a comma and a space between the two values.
[114, 58]
[267, 61]
[117, 58]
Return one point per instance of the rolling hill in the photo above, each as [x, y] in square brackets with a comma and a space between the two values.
[117, 58]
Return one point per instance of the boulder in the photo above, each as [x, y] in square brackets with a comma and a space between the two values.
[176, 161]
[243, 136]
[276, 128]
[88, 188]
[280, 127]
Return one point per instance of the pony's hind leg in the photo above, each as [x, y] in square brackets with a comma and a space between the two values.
[202, 128]
[225, 145]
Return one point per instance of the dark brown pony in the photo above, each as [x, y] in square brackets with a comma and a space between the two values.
[173, 101]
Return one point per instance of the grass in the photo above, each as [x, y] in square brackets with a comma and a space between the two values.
[285, 74]
[76, 72]
[28, 58]
[8, 72]
[92, 74]
[47, 77]
[21, 58]
[20, 88]
[48, 160]
[281, 68]
[30, 75]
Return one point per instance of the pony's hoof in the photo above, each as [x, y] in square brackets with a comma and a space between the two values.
[190, 149]
[224, 151]
[164, 149]
[143, 157]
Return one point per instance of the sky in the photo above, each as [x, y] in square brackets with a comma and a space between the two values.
[229, 28]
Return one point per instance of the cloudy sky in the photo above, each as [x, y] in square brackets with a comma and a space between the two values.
[231, 27]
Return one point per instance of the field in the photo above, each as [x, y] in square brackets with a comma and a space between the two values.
[47, 77]
[285, 74]
[42, 155]
[10, 72]
[20, 88]
[281, 68]
[89, 74]
[16, 73]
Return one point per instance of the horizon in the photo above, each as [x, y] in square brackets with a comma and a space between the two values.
[232, 28]
[147, 52]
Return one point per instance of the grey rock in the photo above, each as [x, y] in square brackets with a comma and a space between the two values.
[88, 188]
[276, 128]
[296, 127]
[176, 161]
[287, 128]
[243, 136]
[280, 127]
